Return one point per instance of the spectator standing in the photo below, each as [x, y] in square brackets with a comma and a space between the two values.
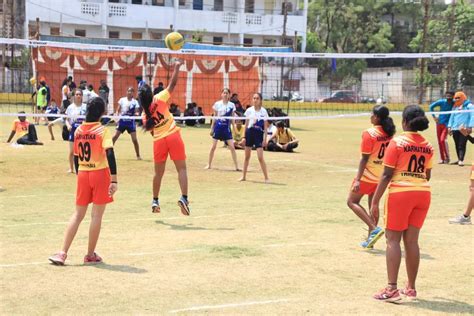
[442, 121]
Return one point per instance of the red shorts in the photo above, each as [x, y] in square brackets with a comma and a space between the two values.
[403, 209]
[93, 187]
[366, 187]
[172, 144]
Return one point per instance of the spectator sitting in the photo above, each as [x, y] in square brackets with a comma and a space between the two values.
[271, 134]
[159, 88]
[190, 112]
[238, 134]
[284, 139]
[201, 113]
[25, 131]
[239, 109]
[52, 109]
[174, 109]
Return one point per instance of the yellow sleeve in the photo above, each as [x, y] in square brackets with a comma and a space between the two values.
[290, 135]
[163, 95]
[107, 139]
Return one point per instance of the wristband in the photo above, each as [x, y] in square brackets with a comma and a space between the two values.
[114, 182]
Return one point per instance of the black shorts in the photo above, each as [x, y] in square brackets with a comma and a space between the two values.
[253, 138]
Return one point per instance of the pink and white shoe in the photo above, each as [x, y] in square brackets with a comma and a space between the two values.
[388, 295]
[95, 258]
[410, 294]
[58, 258]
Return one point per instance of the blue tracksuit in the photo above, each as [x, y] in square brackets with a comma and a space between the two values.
[444, 105]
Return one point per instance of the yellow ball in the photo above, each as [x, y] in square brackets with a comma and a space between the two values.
[33, 81]
[174, 41]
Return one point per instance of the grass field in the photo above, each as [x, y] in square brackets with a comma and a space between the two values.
[291, 247]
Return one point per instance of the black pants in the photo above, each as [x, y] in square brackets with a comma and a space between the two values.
[460, 141]
[29, 139]
[271, 146]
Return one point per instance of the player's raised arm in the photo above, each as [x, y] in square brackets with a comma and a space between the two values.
[174, 76]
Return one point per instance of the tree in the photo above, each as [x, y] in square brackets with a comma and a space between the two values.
[439, 35]
[347, 27]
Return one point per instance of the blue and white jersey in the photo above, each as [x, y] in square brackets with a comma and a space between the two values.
[128, 108]
[256, 118]
[222, 109]
[73, 111]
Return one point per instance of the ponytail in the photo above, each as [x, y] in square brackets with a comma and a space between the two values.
[415, 118]
[145, 96]
[382, 113]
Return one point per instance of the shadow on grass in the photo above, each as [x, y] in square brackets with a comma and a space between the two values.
[381, 252]
[443, 305]
[188, 227]
[118, 268]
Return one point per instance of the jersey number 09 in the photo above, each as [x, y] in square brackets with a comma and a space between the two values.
[84, 151]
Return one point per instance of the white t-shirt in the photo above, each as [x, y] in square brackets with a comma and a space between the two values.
[222, 109]
[128, 107]
[271, 130]
[256, 117]
[65, 92]
[87, 95]
[73, 111]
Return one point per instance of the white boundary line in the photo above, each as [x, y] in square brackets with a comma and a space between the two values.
[164, 252]
[233, 305]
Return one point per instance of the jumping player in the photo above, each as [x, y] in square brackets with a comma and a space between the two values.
[373, 147]
[128, 106]
[408, 162]
[255, 136]
[220, 128]
[167, 139]
[96, 170]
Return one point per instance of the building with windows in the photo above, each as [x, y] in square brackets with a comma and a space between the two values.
[235, 22]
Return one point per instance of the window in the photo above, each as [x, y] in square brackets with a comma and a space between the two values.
[137, 1]
[160, 3]
[114, 1]
[248, 41]
[137, 35]
[182, 2]
[81, 33]
[269, 42]
[156, 36]
[249, 6]
[218, 5]
[217, 40]
[54, 31]
[114, 34]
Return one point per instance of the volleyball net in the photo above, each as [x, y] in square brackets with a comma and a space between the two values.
[293, 84]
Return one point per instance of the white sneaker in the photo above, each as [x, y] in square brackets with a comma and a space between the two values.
[461, 163]
[461, 220]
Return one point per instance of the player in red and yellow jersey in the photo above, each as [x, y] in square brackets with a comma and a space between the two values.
[96, 169]
[374, 144]
[24, 131]
[408, 162]
[167, 139]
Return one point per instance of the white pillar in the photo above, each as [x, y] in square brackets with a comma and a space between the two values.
[105, 13]
[241, 21]
[305, 15]
[175, 15]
